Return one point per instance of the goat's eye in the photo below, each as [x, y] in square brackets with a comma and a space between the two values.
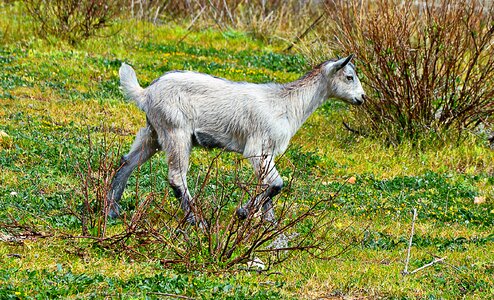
[349, 78]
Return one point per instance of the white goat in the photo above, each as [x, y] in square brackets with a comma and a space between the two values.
[185, 109]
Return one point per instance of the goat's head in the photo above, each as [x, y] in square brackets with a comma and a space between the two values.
[343, 81]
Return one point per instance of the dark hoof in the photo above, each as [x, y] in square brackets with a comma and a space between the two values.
[242, 213]
[191, 219]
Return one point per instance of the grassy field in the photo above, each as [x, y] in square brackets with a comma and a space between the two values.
[52, 96]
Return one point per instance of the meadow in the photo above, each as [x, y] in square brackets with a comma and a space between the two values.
[61, 103]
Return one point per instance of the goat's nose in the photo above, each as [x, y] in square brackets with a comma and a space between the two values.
[359, 100]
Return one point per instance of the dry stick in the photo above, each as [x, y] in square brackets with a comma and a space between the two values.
[436, 260]
[351, 129]
[156, 15]
[306, 31]
[187, 31]
[405, 271]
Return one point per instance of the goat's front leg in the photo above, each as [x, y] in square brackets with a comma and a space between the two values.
[265, 170]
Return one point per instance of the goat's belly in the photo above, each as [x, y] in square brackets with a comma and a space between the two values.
[212, 140]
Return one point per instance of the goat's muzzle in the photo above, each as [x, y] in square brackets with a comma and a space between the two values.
[360, 100]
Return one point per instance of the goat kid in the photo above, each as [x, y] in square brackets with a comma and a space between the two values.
[186, 109]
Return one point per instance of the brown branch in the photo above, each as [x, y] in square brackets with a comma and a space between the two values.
[306, 31]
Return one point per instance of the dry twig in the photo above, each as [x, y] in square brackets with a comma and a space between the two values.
[435, 261]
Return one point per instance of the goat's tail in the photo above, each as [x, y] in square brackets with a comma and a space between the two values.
[129, 84]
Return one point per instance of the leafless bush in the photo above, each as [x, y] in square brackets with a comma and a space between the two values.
[72, 20]
[430, 63]
[222, 240]
[157, 228]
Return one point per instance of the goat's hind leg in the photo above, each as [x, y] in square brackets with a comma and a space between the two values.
[145, 145]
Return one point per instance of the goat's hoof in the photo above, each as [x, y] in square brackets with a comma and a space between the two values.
[203, 225]
[191, 219]
[242, 213]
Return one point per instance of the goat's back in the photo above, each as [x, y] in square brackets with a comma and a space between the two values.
[200, 103]
[200, 96]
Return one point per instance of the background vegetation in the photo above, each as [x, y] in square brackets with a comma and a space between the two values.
[63, 120]
[429, 64]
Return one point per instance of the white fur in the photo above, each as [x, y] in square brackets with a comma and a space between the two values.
[257, 120]
[249, 118]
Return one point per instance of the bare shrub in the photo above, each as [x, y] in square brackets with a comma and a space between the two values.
[72, 20]
[430, 63]
[157, 229]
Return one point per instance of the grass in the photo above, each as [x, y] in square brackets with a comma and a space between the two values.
[53, 94]
[65, 274]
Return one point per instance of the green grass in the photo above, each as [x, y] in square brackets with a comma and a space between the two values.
[53, 94]
[69, 275]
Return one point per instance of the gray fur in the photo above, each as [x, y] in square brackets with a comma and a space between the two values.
[257, 120]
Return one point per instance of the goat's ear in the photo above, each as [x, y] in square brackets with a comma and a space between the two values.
[339, 64]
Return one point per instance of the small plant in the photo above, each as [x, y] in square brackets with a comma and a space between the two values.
[72, 20]
[94, 175]
[430, 63]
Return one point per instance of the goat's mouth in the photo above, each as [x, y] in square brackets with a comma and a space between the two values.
[359, 101]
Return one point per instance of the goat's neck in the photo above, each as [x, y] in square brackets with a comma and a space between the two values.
[304, 97]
